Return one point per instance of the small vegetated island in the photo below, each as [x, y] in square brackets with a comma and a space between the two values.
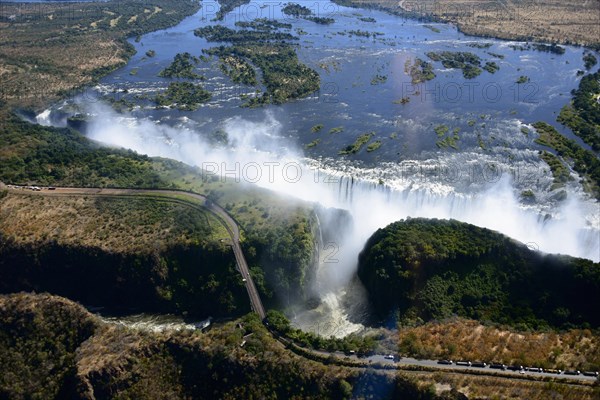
[419, 70]
[548, 48]
[306, 13]
[261, 46]
[469, 63]
[358, 144]
[433, 269]
[182, 67]
[227, 6]
[186, 96]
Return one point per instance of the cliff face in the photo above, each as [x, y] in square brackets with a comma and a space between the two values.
[39, 335]
[52, 348]
[432, 269]
[200, 280]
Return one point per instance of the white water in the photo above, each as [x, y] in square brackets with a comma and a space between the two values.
[258, 154]
[150, 323]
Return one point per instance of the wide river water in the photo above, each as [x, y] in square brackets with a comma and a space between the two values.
[480, 181]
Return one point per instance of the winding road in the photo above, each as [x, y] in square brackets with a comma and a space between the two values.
[376, 361]
[195, 200]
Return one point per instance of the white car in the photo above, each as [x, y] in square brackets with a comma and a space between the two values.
[389, 357]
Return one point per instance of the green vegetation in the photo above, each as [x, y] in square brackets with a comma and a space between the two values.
[53, 348]
[312, 144]
[433, 269]
[219, 33]
[296, 10]
[321, 20]
[589, 60]
[367, 19]
[548, 48]
[419, 71]
[528, 194]
[362, 345]
[144, 252]
[469, 63]
[277, 233]
[38, 340]
[150, 53]
[263, 24]
[239, 70]
[284, 76]
[480, 45]
[491, 67]
[316, 128]
[583, 161]
[373, 146]
[378, 79]
[441, 130]
[365, 34]
[36, 71]
[525, 131]
[182, 67]
[432, 28]
[337, 129]
[583, 114]
[186, 96]
[500, 56]
[448, 141]
[560, 172]
[523, 79]
[404, 100]
[299, 11]
[358, 144]
[227, 6]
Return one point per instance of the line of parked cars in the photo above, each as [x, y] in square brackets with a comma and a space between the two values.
[34, 188]
[518, 368]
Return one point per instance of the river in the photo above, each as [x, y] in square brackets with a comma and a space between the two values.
[480, 181]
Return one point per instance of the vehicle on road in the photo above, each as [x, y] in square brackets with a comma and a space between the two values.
[389, 357]
[515, 368]
[572, 372]
[464, 363]
[445, 362]
[479, 364]
[590, 373]
[498, 366]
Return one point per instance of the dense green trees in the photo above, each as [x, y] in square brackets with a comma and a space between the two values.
[45, 155]
[219, 33]
[51, 348]
[583, 115]
[38, 339]
[263, 48]
[184, 95]
[182, 67]
[469, 63]
[585, 162]
[434, 269]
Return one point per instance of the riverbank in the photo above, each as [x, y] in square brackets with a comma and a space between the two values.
[36, 37]
[565, 22]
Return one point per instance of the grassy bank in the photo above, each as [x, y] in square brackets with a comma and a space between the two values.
[35, 38]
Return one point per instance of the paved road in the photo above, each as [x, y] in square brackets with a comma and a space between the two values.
[255, 301]
[228, 222]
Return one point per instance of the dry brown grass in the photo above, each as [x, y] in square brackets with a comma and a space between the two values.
[112, 224]
[563, 21]
[483, 387]
[469, 340]
[48, 50]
